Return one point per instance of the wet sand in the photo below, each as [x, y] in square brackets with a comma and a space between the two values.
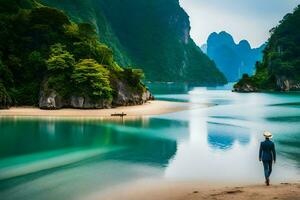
[147, 109]
[199, 191]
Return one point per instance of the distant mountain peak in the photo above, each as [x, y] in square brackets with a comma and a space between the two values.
[222, 37]
[231, 58]
[224, 33]
[244, 44]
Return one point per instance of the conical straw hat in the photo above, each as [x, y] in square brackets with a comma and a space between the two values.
[268, 134]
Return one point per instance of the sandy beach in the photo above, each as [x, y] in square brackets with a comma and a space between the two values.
[147, 109]
[200, 191]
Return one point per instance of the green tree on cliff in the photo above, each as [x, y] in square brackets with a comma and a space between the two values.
[90, 76]
[60, 60]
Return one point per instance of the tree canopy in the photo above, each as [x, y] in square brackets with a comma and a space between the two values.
[93, 77]
[41, 49]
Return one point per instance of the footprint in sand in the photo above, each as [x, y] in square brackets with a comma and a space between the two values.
[233, 191]
[228, 192]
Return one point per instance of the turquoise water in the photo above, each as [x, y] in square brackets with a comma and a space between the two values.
[65, 159]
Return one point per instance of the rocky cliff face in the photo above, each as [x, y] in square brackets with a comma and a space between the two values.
[153, 35]
[52, 100]
[125, 97]
[285, 84]
[233, 59]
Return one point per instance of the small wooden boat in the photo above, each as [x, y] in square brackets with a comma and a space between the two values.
[118, 114]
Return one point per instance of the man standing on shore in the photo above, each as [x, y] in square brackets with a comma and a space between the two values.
[267, 155]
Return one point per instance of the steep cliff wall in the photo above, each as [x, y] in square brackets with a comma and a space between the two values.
[153, 35]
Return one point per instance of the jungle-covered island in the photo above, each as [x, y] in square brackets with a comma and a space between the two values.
[78, 119]
[77, 54]
[280, 68]
[49, 61]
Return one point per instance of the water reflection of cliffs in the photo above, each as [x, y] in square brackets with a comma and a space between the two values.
[147, 141]
[23, 138]
[35, 155]
[222, 136]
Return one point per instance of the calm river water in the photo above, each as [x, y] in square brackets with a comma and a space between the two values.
[70, 159]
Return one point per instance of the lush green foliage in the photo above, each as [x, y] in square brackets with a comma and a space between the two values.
[93, 77]
[60, 60]
[153, 35]
[41, 49]
[133, 75]
[282, 54]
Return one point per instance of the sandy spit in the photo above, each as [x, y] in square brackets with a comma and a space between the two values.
[147, 109]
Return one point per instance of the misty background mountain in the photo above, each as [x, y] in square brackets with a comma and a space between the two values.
[232, 59]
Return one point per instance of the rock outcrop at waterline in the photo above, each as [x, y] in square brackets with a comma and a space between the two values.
[245, 88]
[285, 84]
[245, 85]
[52, 100]
[127, 97]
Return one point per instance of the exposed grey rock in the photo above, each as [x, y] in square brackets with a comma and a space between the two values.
[77, 102]
[285, 84]
[127, 97]
[147, 96]
[89, 103]
[245, 88]
[50, 100]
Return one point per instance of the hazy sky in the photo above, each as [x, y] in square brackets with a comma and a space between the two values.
[244, 19]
